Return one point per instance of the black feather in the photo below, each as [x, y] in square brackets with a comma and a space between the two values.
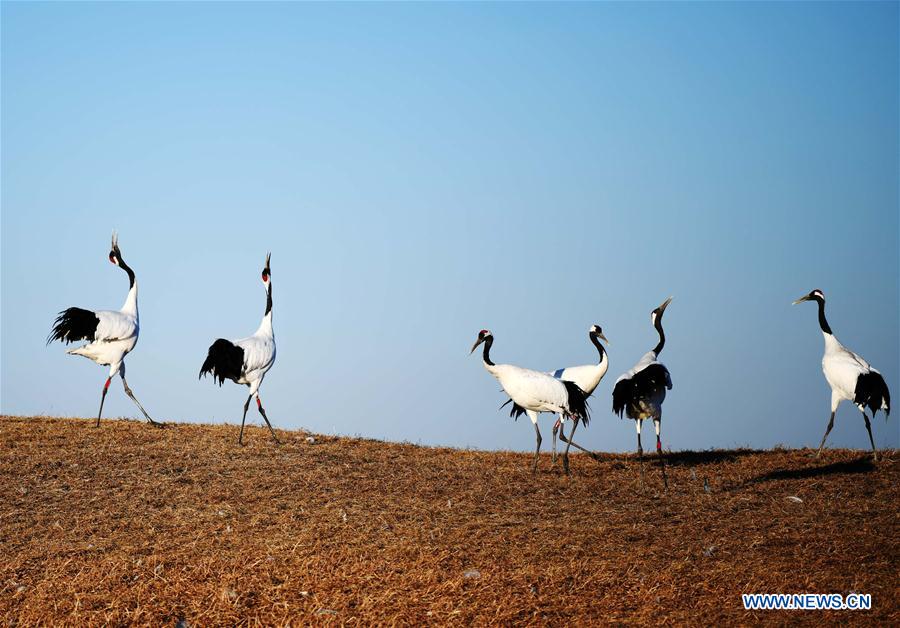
[578, 406]
[224, 360]
[516, 411]
[74, 324]
[644, 385]
[621, 396]
[872, 392]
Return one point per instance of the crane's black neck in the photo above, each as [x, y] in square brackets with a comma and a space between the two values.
[662, 335]
[822, 322]
[599, 346]
[268, 297]
[486, 353]
[128, 270]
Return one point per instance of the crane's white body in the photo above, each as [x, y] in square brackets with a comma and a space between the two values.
[842, 368]
[587, 376]
[116, 335]
[532, 390]
[646, 360]
[259, 354]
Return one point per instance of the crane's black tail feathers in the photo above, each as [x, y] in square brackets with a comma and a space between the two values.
[621, 393]
[516, 411]
[578, 406]
[646, 384]
[872, 392]
[74, 324]
[225, 360]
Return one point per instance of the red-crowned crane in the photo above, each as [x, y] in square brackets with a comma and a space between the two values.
[640, 392]
[111, 335]
[246, 361]
[849, 376]
[534, 392]
[587, 377]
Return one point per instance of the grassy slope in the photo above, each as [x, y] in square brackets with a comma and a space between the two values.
[133, 524]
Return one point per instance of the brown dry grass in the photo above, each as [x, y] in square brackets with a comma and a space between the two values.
[130, 524]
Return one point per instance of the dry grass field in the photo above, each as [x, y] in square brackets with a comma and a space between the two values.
[128, 524]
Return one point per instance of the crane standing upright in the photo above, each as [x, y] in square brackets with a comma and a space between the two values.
[640, 392]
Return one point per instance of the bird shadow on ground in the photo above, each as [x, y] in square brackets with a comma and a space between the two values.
[862, 464]
[677, 458]
[706, 457]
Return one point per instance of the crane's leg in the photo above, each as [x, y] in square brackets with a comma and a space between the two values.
[562, 436]
[827, 432]
[871, 440]
[568, 443]
[134, 399]
[244, 418]
[662, 462]
[556, 428]
[537, 432]
[835, 402]
[265, 418]
[638, 423]
[102, 399]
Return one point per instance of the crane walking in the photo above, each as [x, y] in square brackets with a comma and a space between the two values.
[111, 334]
[534, 392]
[246, 361]
[849, 376]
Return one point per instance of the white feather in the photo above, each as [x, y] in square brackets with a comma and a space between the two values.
[532, 390]
[648, 359]
[842, 367]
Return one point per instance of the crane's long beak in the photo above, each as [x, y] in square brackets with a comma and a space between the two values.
[801, 299]
[602, 337]
[475, 346]
[665, 304]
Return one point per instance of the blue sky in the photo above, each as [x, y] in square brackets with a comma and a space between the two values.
[421, 171]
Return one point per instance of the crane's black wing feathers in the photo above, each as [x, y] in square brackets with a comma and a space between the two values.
[577, 404]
